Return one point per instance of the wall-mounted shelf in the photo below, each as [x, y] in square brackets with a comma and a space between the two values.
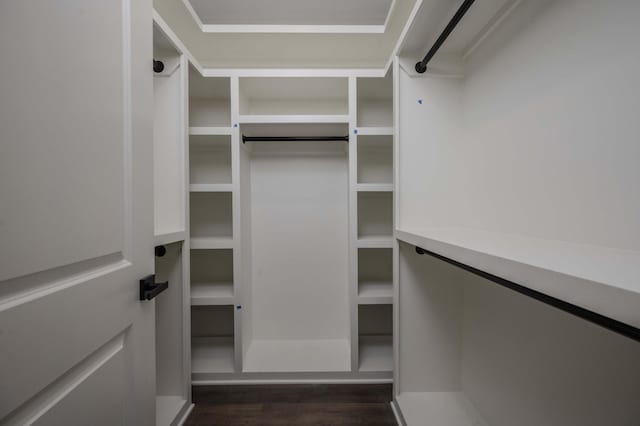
[211, 131]
[374, 187]
[375, 131]
[375, 342]
[211, 187]
[606, 281]
[210, 159]
[374, 242]
[293, 96]
[211, 243]
[211, 215]
[168, 238]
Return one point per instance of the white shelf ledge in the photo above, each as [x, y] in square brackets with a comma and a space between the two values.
[217, 293]
[168, 237]
[210, 131]
[279, 356]
[212, 355]
[375, 292]
[374, 187]
[438, 409]
[211, 243]
[211, 187]
[375, 131]
[265, 119]
[603, 280]
[375, 241]
[375, 353]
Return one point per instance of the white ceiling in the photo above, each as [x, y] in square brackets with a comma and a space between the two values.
[287, 49]
[291, 12]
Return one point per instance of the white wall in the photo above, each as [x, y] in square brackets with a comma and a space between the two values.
[299, 233]
[542, 136]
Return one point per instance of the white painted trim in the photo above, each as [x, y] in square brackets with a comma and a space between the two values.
[211, 131]
[290, 382]
[285, 28]
[185, 415]
[293, 72]
[397, 412]
[265, 119]
[297, 29]
[375, 131]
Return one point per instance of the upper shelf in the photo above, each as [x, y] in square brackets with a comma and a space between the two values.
[603, 280]
[291, 96]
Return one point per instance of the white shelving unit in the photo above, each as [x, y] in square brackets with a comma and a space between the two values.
[375, 275]
[514, 161]
[375, 328]
[173, 385]
[253, 209]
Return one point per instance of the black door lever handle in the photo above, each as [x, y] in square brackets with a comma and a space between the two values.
[149, 288]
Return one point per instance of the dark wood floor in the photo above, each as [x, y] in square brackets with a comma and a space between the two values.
[300, 405]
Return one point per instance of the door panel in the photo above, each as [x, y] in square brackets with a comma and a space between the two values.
[76, 219]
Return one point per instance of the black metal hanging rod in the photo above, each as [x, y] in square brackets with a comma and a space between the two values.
[421, 66]
[294, 138]
[611, 324]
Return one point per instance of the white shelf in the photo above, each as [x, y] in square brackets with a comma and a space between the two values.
[375, 241]
[212, 355]
[216, 293]
[375, 292]
[168, 408]
[374, 187]
[211, 242]
[211, 187]
[438, 409]
[375, 131]
[168, 237]
[375, 353]
[330, 355]
[211, 131]
[309, 119]
[604, 280]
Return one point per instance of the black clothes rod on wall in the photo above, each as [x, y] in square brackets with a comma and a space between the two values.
[421, 66]
[594, 317]
[294, 138]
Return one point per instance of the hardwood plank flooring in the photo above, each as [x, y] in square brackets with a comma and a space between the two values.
[300, 405]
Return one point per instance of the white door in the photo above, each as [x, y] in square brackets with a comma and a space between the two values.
[76, 344]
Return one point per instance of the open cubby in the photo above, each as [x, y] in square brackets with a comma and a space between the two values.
[294, 96]
[375, 101]
[375, 272]
[211, 215]
[375, 342]
[375, 215]
[375, 159]
[211, 276]
[212, 332]
[210, 159]
[209, 100]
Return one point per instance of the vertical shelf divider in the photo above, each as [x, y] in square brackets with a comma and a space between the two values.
[353, 220]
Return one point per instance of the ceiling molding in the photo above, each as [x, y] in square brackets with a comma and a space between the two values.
[284, 28]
